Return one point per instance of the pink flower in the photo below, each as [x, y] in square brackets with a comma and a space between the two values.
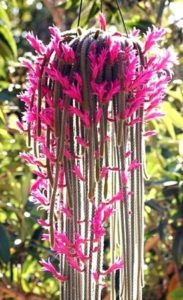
[98, 115]
[128, 153]
[37, 184]
[134, 165]
[104, 172]
[56, 75]
[39, 198]
[114, 89]
[62, 237]
[55, 32]
[83, 116]
[74, 92]
[82, 142]
[102, 213]
[48, 153]
[168, 59]
[107, 213]
[78, 173]
[27, 157]
[153, 35]
[20, 126]
[27, 63]
[114, 51]
[61, 178]
[134, 121]
[43, 223]
[154, 115]
[102, 58]
[67, 153]
[96, 276]
[102, 21]
[67, 211]
[36, 43]
[67, 53]
[40, 174]
[47, 117]
[47, 266]
[150, 133]
[124, 178]
[135, 32]
[118, 197]
[78, 78]
[115, 266]
[99, 89]
[73, 263]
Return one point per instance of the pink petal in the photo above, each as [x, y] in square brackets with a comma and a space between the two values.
[82, 142]
[47, 266]
[104, 172]
[102, 21]
[67, 211]
[150, 133]
[36, 43]
[43, 223]
[95, 276]
[98, 115]
[20, 126]
[73, 263]
[153, 36]
[124, 178]
[37, 184]
[154, 115]
[78, 173]
[134, 165]
[118, 197]
[115, 266]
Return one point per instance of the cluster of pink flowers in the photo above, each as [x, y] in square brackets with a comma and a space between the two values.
[86, 99]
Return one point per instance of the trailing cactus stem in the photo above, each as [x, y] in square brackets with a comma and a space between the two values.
[88, 95]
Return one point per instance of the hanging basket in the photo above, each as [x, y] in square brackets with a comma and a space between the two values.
[88, 95]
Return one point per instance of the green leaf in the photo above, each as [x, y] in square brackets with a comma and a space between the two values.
[29, 265]
[93, 11]
[173, 115]
[2, 117]
[176, 94]
[177, 294]
[5, 51]
[4, 19]
[169, 126]
[7, 41]
[4, 245]
[2, 68]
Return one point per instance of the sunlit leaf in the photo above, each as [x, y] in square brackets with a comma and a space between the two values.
[169, 126]
[176, 94]
[4, 19]
[173, 115]
[7, 42]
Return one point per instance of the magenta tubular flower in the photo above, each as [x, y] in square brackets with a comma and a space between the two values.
[88, 95]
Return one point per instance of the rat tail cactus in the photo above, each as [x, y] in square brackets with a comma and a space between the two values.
[88, 95]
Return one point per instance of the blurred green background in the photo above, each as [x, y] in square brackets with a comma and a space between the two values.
[20, 236]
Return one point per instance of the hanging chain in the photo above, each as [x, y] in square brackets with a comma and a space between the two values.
[80, 8]
[122, 19]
